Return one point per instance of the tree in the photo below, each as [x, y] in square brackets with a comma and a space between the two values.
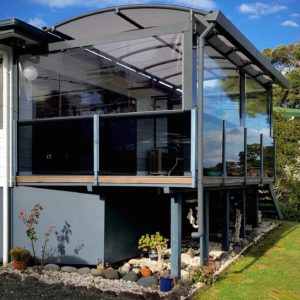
[286, 58]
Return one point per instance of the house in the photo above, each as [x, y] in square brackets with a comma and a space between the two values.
[123, 120]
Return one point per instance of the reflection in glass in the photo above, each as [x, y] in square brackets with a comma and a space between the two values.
[119, 77]
[235, 154]
[60, 147]
[212, 145]
[145, 145]
[253, 153]
[257, 107]
[221, 87]
[268, 159]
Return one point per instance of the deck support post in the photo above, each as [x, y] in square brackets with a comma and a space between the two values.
[255, 209]
[225, 235]
[243, 212]
[176, 220]
[204, 247]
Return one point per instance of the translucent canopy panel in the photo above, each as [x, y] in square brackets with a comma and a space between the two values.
[104, 22]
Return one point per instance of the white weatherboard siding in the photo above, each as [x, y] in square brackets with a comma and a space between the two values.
[1, 156]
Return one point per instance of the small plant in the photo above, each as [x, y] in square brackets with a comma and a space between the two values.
[205, 274]
[20, 254]
[30, 222]
[152, 243]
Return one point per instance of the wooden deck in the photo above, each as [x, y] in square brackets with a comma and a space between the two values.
[186, 181]
[106, 180]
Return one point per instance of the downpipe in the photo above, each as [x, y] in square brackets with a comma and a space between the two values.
[7, 107]
[200, 140]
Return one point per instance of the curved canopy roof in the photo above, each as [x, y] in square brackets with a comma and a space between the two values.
[227, 43]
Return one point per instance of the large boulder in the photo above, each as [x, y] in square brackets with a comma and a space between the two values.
[147, 281]
[68, 269]
[130, 296]
[83, 271]
[96, 272]
[131, 276]
[51, 267]
[110, 273]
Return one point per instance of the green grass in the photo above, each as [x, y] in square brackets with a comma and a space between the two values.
[288, 111]
[270, 270]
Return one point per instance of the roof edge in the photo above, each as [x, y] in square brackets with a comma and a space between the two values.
[231, 32]
[134, 6]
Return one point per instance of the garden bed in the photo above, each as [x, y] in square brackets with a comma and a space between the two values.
[124, 283]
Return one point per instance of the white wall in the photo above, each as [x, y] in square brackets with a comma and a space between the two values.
[1, 156]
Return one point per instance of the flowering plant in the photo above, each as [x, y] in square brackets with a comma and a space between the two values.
[30, 222]
[205, 273]
[19, 254]
[152, 243]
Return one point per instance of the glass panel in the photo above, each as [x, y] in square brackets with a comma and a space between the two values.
[119, 77]
[212, 146]
[221, 87]
[235, 154]
[147, 145]
[56, 147]
[257, 107]
[268, 152]
[253, 153]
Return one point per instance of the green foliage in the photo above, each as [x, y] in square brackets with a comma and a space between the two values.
[287, 133]
[205, 274]
[286, 58]
[151, 243]
[20, 254]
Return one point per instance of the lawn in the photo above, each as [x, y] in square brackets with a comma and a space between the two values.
[270, 270]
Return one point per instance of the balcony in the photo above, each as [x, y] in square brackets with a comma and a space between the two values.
[155, 149]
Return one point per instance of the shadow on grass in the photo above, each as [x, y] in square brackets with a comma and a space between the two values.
[267, 242]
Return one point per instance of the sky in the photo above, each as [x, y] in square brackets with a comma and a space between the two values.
[265, 23]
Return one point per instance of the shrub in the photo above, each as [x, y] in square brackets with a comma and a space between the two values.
[151, 243]
[205, 274]
[20, 254]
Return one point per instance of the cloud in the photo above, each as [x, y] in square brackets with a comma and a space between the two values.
[257, 9]
[37, 22]
[201, 4]
[289, 23]
[295, 15]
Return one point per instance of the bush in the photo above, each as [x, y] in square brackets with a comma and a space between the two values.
[19, 254]
[290, 213]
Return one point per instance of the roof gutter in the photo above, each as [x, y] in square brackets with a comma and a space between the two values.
[225, 27]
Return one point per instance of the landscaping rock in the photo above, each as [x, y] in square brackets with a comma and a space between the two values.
[130, 296]
[13, 276]
[68, 269]
[94, 290]
[151, 296]
[180, 290]
[109, 295]
[171, 296]
[124, 269]
[110, 273]
[83, 271]
[30, 279]
[51, 267]
[147, 281]
[96, 272]
[131, 276]
[10, 265]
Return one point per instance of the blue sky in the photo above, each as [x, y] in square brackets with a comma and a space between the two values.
[265, 23]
